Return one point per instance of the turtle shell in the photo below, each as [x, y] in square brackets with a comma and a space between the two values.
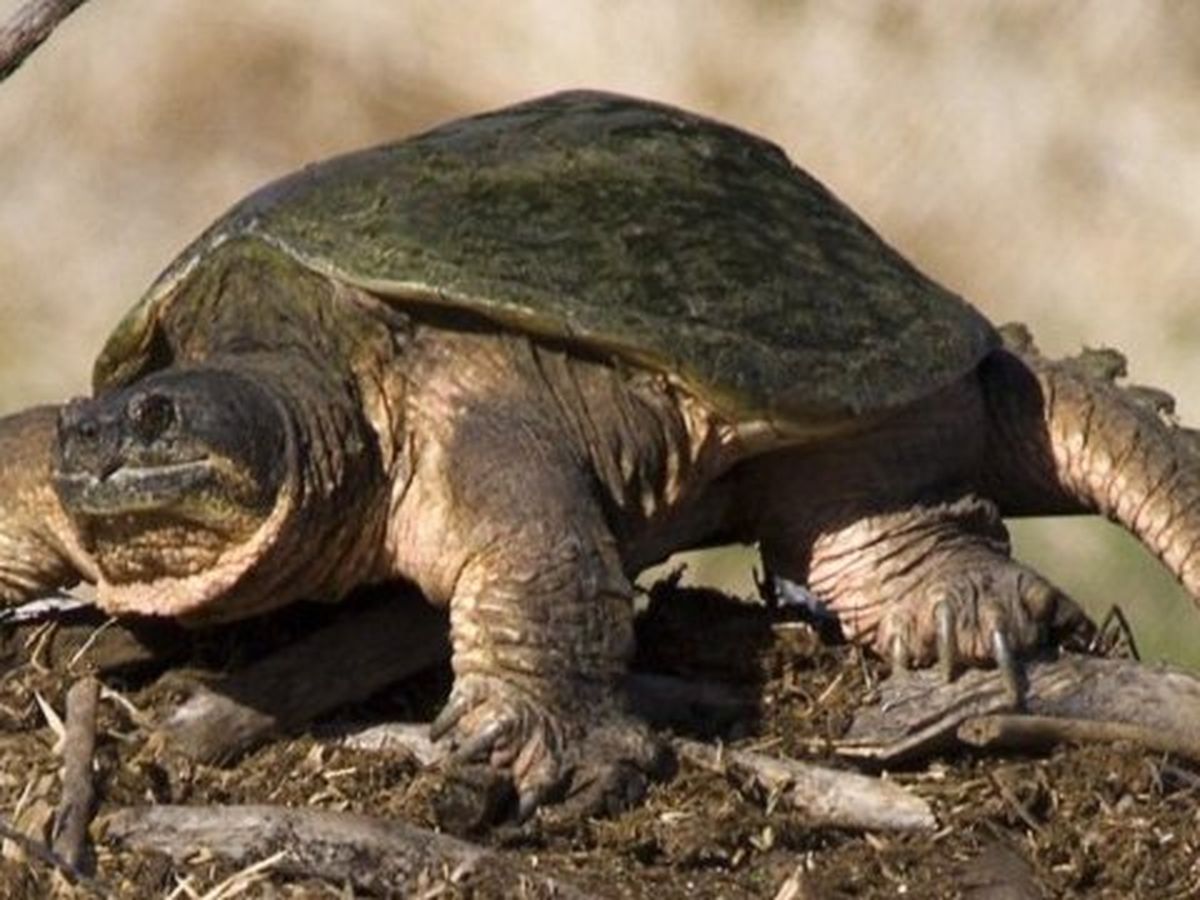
[626, 228]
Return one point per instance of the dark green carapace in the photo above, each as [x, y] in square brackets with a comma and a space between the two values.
[634, 229]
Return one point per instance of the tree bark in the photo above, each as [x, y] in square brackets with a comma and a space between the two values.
[28, 28]
[391, 858]
[1091, 698]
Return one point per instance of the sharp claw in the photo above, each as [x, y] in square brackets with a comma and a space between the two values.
[947, 640]
[480, 743]
[1007, 664]
[452, 712]
[528, 802]
[900, 658]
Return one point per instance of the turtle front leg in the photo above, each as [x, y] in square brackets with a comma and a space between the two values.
[541, 623]
[38, 550]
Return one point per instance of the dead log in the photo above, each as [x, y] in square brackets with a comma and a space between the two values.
[81, 639]
[78, 801]
[347, 661]
[1070, 698]
[391, 858]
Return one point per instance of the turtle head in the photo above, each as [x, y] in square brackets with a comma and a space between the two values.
[169, 479]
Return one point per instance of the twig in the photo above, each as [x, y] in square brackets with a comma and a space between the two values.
[796, 887]
[247, 877]
[77, 804]
[1014, 801]
[40, 851]
[829, 797]
[28, 27]
[371, 854]
[1030, 732]
[91, 641]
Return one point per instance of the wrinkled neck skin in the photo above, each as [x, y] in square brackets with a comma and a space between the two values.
[326, 368]
[307, 546]
[39, 549]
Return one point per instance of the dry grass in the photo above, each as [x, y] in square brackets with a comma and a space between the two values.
[1038, 157]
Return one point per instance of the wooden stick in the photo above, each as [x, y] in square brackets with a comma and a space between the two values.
[347, 661]
[81, 639]
[371, 854]
[28, 28]
[920, 714]
[829, 797]
[77, 804]
[389, 737]
[1031, 732]
[40, 851]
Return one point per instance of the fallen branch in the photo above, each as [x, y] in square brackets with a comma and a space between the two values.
[829, 797]
[28, 28]
[1071, 698]
[77, 804]
[80, 639]
[1009, 732]
[371, 854]
[347, 661]
[361, 654]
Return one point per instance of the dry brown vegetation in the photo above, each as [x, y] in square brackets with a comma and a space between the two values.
[1037, 157]
[1103, 820]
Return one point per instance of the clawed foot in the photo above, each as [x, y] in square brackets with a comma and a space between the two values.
[991, 612]
[592, 758]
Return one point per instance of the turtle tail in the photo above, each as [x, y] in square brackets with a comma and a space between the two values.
[1070, 439]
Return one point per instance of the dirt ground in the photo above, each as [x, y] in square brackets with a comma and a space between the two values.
[1094, 821]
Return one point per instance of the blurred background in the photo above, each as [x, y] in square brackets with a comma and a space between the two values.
[1039, 158]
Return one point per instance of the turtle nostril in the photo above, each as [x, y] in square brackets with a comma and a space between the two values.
[150, 415]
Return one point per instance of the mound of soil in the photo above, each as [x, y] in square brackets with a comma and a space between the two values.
[1097, 821]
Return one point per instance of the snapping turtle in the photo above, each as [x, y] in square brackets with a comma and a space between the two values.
[518, 358]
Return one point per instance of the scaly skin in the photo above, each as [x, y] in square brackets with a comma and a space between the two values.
[914, 560]
[533, 478]
[1099, 447]
[39, 551]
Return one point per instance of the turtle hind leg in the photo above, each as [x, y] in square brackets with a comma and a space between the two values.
[936, 583]
[38, 549]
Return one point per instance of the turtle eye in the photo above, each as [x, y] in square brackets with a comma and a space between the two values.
[150, 415]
